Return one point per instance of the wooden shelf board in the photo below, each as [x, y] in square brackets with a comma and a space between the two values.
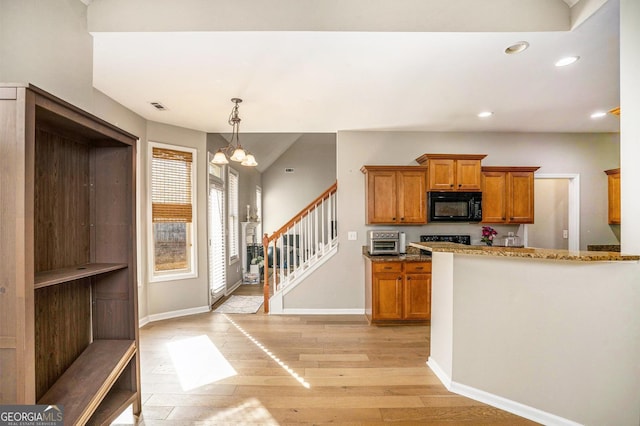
[58, 276]
[88, 380]
[114, 404]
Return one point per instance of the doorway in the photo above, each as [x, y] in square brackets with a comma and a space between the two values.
[557, 213]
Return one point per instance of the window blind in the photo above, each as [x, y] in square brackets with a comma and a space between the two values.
[234, 222]
[217, 269]
[171, 185]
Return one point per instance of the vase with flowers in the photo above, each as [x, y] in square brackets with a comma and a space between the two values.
[488, 233]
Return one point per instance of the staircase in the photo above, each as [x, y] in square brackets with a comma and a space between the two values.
[299, 247]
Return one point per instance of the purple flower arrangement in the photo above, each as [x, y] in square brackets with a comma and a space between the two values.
[488, 233]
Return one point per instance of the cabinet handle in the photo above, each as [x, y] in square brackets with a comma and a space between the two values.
[419, 267]
[451, 185]
[402, 218]
[408, 278]
[459, 185]
[399, 278]
[393, 218]
[387, 267]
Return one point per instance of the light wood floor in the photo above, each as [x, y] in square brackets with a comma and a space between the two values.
[283, 370]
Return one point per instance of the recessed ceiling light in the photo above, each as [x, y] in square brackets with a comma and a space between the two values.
[485, 114]
[567, 61]
[516, 48]
[598, 114]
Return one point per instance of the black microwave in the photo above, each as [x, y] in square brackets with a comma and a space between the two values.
[455, 206]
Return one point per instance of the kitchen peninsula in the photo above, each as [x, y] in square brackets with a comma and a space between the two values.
[550, 335]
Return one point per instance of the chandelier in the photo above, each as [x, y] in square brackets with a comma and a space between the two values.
[234, 150]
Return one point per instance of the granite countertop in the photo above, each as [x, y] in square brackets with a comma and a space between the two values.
[414, 254]
[526, 252]
[604, 247]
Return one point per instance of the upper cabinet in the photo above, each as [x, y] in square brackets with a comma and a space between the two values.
[508, 194]
[613, 178]
[453, 172]
[395, 195]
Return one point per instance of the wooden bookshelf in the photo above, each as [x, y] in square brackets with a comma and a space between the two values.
[68, 292]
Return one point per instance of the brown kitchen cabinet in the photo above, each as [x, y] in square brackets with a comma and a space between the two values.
[453, 172]
[613, 184]
[397, 291]
[508, 194]
[68, 291]
[395, 195]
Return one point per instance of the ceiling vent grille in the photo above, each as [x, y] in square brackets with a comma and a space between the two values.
[158, 106]
[289, 170]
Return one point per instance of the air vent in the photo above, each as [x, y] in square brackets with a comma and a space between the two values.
[158, 106]
[289, 170]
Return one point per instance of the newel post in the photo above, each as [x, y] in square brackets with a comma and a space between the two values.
[265, 248]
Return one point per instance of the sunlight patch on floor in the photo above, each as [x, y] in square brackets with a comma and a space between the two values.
[264, 349]
[250, 411]
[198, 362]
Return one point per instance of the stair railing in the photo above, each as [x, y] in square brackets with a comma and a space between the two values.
[299, 243]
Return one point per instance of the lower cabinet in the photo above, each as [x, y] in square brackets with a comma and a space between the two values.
[397, 291]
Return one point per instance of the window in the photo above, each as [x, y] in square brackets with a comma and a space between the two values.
[217, 256]
[234, 219]
[259, 203]
[172, 212]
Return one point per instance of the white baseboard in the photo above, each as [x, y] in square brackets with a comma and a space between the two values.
[505, 404]
[294, 311]
[143, 321]
[179, 313]
[439, 372]
[233, 288]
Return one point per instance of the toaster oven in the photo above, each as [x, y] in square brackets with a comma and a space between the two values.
[384, 242]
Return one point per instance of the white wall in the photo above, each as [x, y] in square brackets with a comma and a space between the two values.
[341, 284]
[46, 43]
[630, 124]
[313, 158]
[551, 214]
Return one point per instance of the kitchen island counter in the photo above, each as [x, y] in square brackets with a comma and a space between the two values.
[525, 252]
[538, 332]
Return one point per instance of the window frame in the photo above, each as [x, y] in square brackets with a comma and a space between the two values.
[233, 225]
[192, 233]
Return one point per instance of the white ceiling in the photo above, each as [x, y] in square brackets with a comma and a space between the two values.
[327, 81]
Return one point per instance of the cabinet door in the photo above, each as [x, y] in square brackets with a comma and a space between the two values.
[441, 174]
[614, 198]
[494, 201]
[381, 197]
[412, 193]
[468, 175]
[387, 296]
[521, 203]
[417, 296]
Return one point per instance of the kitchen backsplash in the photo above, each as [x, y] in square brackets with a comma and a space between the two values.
[472, 229]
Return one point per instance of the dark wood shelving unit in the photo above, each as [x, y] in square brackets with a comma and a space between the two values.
[68, 291]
